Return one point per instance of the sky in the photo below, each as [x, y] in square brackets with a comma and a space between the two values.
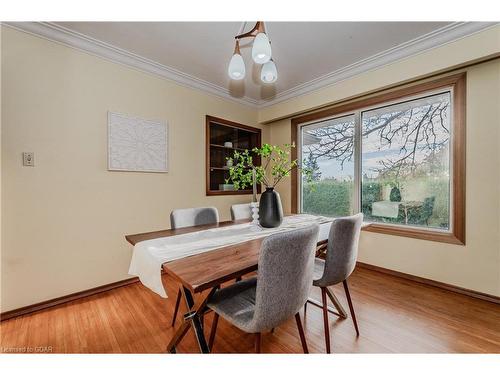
[373, 150]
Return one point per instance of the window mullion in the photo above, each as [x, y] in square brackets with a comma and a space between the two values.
[357, 162]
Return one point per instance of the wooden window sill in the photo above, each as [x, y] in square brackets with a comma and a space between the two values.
[419, 234]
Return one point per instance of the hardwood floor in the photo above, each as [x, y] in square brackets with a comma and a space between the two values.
[394, 315]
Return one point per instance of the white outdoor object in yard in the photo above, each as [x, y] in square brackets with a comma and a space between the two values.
[385, 209]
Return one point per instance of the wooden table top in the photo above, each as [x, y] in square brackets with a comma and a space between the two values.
[206, 270]
[135, 238]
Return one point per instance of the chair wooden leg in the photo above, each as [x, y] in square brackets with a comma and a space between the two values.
[176, 310]
[257, 342]
[301, 333]
[212, 331]
[325, 319]
[351, 307]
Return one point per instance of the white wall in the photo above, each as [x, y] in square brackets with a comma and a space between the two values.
[64, 220]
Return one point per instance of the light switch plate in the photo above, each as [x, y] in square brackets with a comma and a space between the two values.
[29, 159]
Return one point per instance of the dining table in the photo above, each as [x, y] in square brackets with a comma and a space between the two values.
[207, 271]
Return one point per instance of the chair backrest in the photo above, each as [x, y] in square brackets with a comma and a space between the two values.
[241, 211]
[342, 250]
[188, 217]
[286, 267]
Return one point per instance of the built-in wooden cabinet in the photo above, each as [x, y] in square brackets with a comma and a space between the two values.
[223, 138]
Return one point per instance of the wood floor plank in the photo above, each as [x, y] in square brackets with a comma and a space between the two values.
[394, 316]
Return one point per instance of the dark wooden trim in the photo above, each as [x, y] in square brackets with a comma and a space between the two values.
[459, 145]
[433, 283]
[233, 124]
[458, 83]
[207, 154]
[64, 299]
[381, 97]
[413, 232]
[221, 121]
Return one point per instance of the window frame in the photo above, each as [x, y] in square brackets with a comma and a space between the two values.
[456, 84]
[300, 199]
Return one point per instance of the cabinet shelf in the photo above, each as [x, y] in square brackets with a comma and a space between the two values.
[219, 169]
[222, 168]
[219, 131]
[228, 148]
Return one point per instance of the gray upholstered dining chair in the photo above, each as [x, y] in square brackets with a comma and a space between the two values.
[341, 256]
[241, 211]
[286, 266]
[189, 217]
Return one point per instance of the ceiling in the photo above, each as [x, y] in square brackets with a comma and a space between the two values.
[303, 51]
[309, 55]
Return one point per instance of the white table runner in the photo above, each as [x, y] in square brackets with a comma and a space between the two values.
[148, 256]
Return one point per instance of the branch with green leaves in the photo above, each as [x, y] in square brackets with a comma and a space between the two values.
[276, 165]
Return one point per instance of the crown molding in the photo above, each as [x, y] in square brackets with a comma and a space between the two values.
[426, 42]
[67, 37]
[437, 38]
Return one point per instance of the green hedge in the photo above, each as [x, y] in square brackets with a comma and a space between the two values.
[334, 198]
[328, 197]
[371, 192]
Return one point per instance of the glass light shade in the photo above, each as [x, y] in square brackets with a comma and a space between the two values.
[269, 73]
[236, 69]
[261, 49]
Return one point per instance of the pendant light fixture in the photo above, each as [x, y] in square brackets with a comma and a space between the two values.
[236, 68]
[269, 73]
[261, 54]
[261, 50]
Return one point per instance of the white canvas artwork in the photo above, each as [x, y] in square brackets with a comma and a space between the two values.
[136, 144]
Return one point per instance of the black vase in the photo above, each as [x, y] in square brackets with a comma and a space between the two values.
[270, 210]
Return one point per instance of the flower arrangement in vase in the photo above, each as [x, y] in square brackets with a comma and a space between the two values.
[276, 164]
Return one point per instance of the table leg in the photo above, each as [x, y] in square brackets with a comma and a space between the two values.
[195, 322]
[191, 318]
[179, 334]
